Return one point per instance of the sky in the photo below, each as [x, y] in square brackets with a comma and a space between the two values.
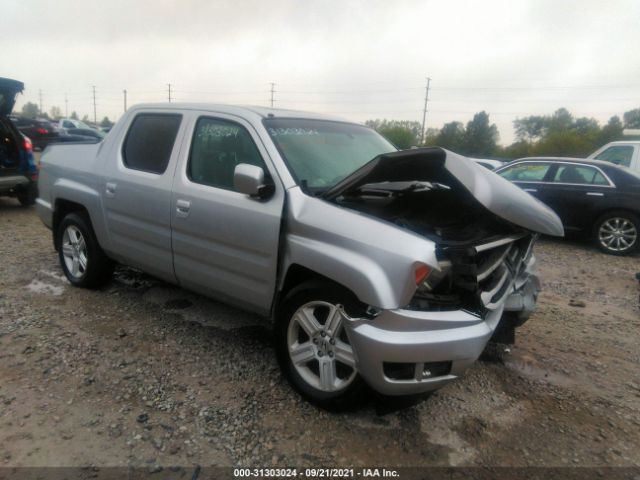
[360, 59]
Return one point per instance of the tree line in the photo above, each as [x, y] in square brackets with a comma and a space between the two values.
[559, 133]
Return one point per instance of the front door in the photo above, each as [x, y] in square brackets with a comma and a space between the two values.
[225, 244]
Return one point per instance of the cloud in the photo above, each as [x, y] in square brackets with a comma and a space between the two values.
[358, 58]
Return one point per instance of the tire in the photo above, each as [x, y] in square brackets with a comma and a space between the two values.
[617, 233]
[82, 259]
[325, 371]
[27, 196]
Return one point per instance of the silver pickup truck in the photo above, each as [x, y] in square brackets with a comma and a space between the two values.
[379, 267]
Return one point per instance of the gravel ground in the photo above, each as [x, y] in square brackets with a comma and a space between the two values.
[143, 374]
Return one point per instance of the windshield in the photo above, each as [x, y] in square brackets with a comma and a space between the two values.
[320, 152]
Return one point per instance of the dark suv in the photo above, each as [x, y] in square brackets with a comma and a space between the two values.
[18, 171]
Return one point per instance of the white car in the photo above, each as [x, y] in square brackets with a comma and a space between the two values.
[624, 153]
[488, 163]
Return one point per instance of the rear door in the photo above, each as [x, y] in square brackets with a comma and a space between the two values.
[577, 193]
[136, 191]
[225, 244]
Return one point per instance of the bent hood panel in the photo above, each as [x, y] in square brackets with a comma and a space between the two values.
[9, 90]
[499, 196]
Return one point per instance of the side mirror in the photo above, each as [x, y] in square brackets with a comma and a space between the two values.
[249, 179]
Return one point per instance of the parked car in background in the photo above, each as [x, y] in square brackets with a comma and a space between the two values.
[45, 132]
[67, 123]
[488, 163]
[623, 153]
[18, 171]
[86, 132]
[380, 267]
[40, 131]
[591, 197]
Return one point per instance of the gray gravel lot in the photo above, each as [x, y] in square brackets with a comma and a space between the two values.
[145, 374]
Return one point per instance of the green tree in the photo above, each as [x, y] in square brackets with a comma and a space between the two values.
[611, 132]
[106, 122]
[632, 118]
[451, 136]
[529, 128]
[402, 133]
[480, 136]
[74, 116]
[30, 110]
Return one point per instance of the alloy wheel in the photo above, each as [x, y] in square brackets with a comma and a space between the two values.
[74, 251]
[319, 347]
[617, 234]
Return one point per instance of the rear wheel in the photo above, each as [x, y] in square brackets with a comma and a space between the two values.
[313, 347]
[81, 258]
[617, 232]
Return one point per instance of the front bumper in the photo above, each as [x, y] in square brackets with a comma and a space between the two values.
[435, 347]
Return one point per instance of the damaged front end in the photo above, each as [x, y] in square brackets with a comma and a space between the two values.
[483, 228]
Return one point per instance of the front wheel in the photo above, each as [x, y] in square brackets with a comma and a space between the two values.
[616, 233]
[313, 347]
[81, 257]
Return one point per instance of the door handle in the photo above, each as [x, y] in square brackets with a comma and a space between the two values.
[182, 208]
[110, 189]
[530, 190]
[595, 194]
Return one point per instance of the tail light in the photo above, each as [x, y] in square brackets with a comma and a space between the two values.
[28, 146]
[42, 131]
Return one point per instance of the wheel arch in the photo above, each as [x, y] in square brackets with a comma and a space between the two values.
[610, 210]
[299, 277]
[62, 208]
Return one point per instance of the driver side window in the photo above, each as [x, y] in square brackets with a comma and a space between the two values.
[218, 146]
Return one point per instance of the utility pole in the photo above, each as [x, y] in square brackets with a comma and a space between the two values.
[95, 116]
[169, 85]
[66, 106]
[40, 97]
[424, 110]
[125, 99]
[273, 85]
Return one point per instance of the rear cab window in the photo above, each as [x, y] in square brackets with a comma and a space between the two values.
[149, 142]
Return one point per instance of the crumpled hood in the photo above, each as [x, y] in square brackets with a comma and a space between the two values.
[499, 196]
[9, 89]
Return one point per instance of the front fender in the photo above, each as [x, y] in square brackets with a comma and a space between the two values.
[373, 258]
